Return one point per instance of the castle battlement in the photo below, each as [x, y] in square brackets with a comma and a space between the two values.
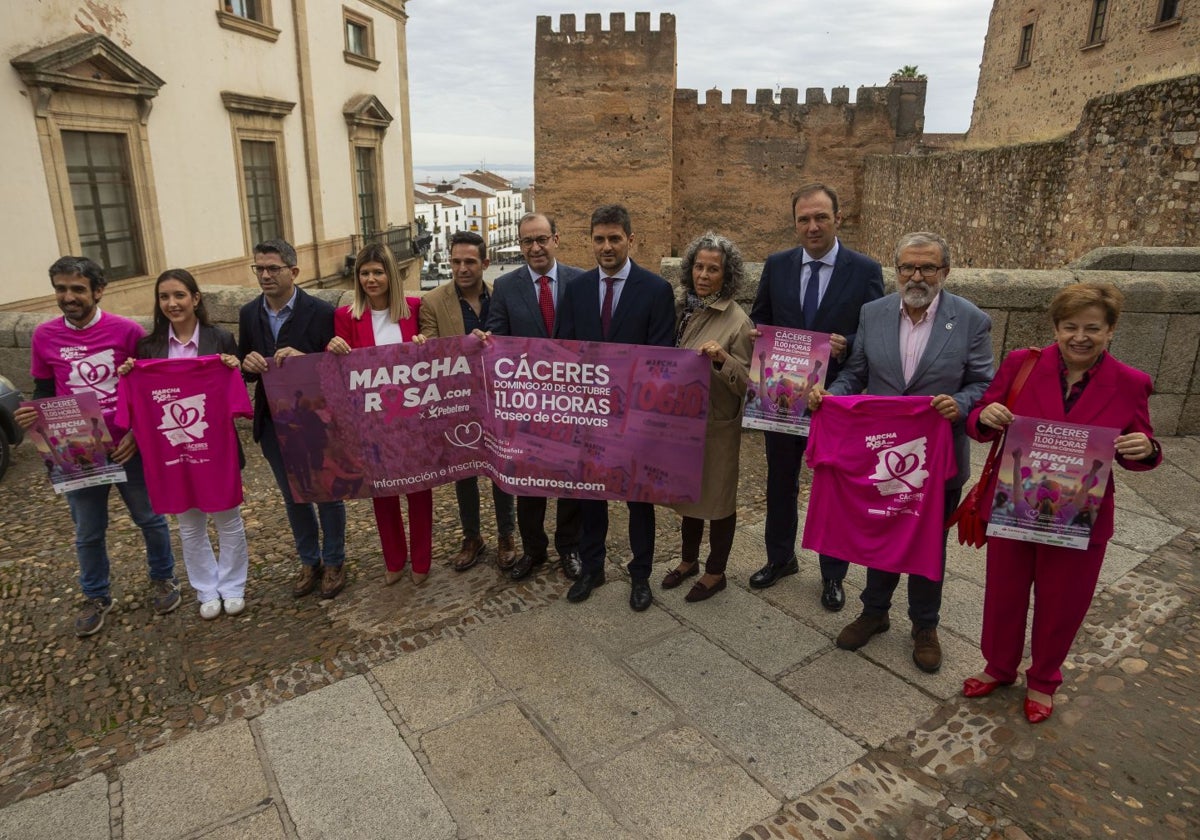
[593, 24]
[787, 97]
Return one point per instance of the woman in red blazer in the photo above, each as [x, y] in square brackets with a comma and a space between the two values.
[380, 315]
[1075, 380]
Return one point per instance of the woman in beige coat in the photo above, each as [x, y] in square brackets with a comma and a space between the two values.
[711, 322]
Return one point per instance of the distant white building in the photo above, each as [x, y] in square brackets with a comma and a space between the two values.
[442, 215]
[509, 205]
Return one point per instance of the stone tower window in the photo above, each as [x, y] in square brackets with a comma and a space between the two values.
[1026, 50]
[1099, 13]
[1167, 10]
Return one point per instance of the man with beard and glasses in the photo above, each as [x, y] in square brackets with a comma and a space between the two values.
[919, 341]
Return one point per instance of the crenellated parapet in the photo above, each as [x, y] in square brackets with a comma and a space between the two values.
[593, 25]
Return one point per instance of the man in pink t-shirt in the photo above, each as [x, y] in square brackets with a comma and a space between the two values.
[918, 341]
[80, 353]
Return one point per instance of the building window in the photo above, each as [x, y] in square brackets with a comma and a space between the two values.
[1026, 51]
[260, 173]
[1168, 10]
[250, 17]
[101, 192]
[365, 184]
[1099, 13]
[360, 39]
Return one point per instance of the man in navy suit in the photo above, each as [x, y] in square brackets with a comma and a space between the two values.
[524, 303]
[286, 321]
[620, 302]
[787, 297]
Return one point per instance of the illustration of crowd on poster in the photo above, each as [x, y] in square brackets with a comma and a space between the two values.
[73, 441]
[786, 365]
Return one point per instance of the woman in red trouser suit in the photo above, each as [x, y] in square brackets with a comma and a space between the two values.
[382, 315]
[1076, 381]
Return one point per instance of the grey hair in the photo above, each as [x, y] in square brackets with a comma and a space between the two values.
[921, 239]
[731, 262]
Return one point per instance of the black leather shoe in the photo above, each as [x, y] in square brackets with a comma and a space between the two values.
[572, 566]
[581, 589]
[640, 598]
[833, 598]
[524, 565]
[770, 573]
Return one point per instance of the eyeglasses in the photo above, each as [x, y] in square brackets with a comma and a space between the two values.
[926, 271]
[530, 241]
[273, 270]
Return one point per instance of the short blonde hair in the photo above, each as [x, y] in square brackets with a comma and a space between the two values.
[1077, 297]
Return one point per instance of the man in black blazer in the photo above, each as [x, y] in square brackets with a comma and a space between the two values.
[286, 321]
[620, 302]
[845, 281]
[517, 309]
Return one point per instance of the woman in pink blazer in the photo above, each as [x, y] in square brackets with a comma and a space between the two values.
[381, 315]
[1075, 380]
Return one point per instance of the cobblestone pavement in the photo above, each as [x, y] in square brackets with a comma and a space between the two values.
[1117, 760]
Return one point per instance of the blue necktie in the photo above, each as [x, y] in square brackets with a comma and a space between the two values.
[812, 294]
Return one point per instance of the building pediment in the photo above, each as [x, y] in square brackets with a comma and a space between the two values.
[87, 63]
[366, 110]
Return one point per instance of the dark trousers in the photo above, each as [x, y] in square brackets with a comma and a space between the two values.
[785, 453]
[924, 595]
[531, 522]
[595, 532]
[315, 543]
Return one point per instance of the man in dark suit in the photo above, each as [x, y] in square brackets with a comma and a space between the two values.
[924, 341]
[787, 297]
[286, 321]
[620, 302]
[524, 303]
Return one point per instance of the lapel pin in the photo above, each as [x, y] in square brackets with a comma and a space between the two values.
[949, 326]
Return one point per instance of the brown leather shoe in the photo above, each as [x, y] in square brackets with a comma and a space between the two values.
[333, 581]
[506, 552]
[472, 547]
[306, 581]
[858, 632]
[927, 651]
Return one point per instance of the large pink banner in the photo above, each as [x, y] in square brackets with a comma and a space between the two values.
[540, 417]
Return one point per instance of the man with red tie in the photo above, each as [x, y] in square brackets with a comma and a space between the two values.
[524, 303]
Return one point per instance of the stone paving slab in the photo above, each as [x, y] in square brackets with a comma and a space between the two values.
[678, 786]
[768, 732]
[212, 775]
[1119, 561]
[893, 650]
[962, 608]
[344, 770]
[592, 705]
[800, 596]
[863, 698]
[756, 632]
[506, 780]
[79, 811]
[437, 683]
[608, 622]
[1168, 490]
[1142, 533]
[265, 825]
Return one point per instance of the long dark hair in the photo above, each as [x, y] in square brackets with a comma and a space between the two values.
[161, 324]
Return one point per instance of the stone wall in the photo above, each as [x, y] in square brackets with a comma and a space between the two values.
[609, 125]
[1016, 102]
[1127, 175]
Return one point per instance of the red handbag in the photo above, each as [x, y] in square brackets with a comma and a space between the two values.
[971, 515]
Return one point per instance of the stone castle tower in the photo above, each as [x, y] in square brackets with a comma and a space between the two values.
[610, 125]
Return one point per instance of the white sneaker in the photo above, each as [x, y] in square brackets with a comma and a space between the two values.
[210, 609]
[233, 606]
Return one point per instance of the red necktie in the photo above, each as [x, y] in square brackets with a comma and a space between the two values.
[606, 309]
[546, 303]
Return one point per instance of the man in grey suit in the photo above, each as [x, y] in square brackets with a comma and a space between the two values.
[924, 341]
[524, 303]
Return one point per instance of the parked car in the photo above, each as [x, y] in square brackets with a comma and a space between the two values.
[10, 433]
[429, 280]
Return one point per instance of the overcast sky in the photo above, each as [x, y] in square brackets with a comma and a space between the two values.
[471, 64]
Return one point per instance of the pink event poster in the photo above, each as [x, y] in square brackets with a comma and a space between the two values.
[540, 417]
[1052, 479]
[71, 436]
[787, 363]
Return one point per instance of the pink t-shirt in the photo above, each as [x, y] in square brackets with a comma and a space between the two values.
[85, 360]
[181, 412]
[880, 467]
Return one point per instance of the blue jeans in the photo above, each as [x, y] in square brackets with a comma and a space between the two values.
[301, 516]
[89, 512]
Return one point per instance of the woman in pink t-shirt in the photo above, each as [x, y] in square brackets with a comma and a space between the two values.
[182, 330]
[381, 315]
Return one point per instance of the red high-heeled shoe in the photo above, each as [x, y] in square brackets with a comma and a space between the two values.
[973, 687]
[1035, 712]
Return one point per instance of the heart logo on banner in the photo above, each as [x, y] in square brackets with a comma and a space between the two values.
[900, 465]
[466, 434]
[183, 415]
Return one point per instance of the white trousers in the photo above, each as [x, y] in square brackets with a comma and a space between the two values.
[212, 577]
